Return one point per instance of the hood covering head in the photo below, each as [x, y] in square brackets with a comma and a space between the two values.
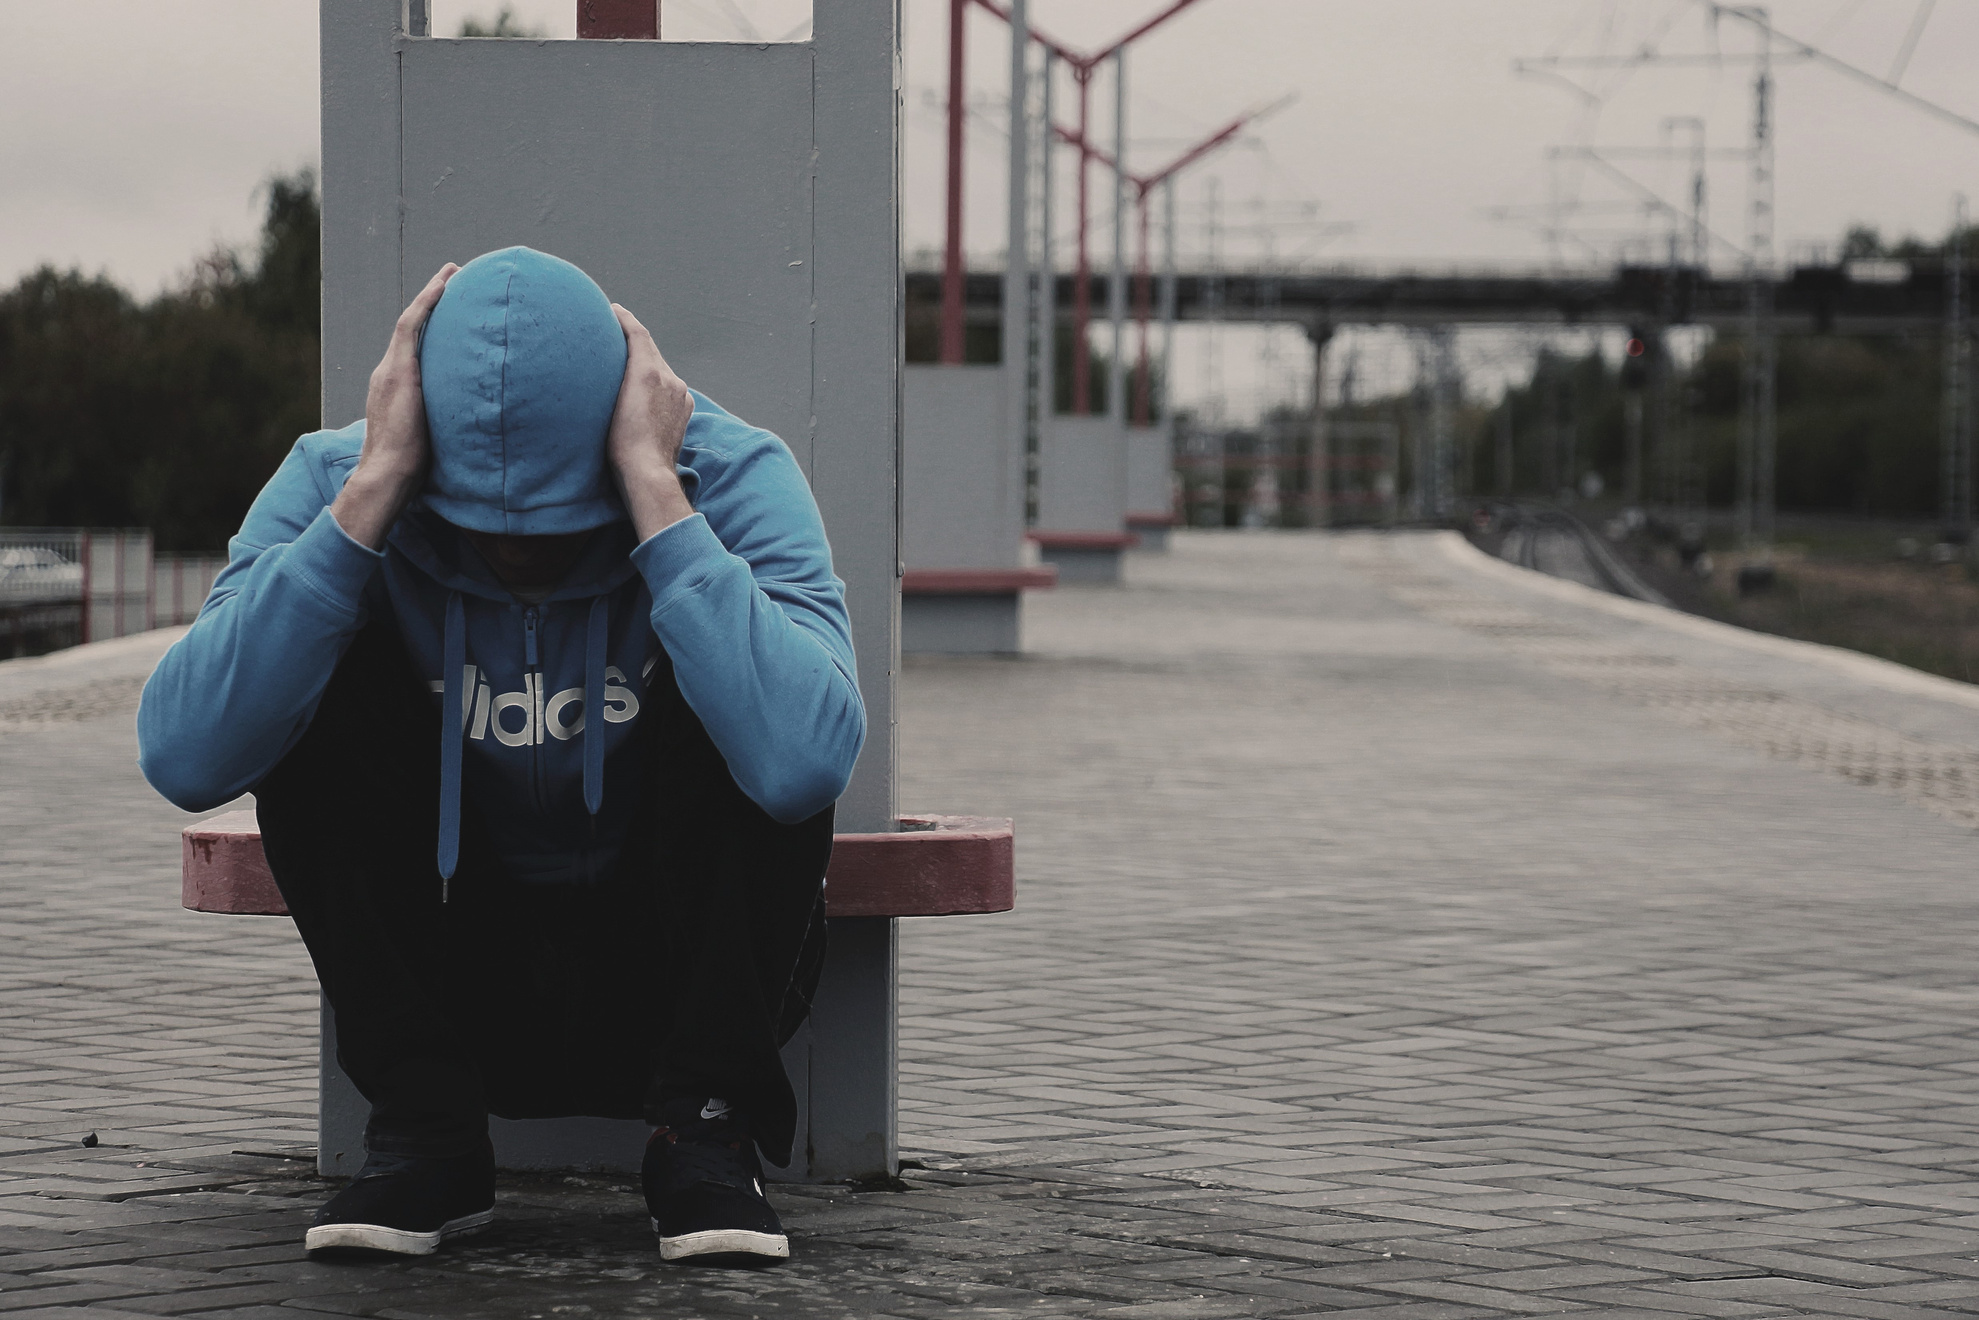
[520, 366]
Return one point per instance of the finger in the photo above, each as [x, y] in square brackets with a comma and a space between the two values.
[421, 306]
[634, 331]
[630, 324]
[435, 286]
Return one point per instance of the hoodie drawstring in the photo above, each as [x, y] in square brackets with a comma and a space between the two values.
[596, 640]
[453, 670]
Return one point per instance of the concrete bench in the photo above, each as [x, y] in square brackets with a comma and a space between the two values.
[1151, 484]
[961, 514]
[841, 1063]
[966, 611]
[1150, 529]
[1084, 556]
[1081, 527]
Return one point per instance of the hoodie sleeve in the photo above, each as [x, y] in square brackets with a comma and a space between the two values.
[236, 692]
[747, 606]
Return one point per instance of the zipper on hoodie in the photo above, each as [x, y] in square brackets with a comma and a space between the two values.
[534, 683]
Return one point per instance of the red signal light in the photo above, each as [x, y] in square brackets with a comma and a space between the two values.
[1635, 347]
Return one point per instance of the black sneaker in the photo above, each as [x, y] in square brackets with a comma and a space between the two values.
[704, 1187]
[408, 1204]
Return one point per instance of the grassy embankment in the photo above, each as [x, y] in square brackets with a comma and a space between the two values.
[1868, 585]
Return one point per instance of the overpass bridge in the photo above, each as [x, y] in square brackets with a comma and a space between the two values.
[1854, 297]
[1857, 297]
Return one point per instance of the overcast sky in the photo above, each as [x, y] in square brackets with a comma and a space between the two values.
[136, 131]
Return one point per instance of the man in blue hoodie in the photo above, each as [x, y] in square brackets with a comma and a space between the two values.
[544, 686]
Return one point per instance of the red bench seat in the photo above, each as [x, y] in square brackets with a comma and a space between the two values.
[935, 866]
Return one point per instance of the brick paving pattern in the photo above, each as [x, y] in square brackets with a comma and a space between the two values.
[1370, 957]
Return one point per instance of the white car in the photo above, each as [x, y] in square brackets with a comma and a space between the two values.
[36, 573]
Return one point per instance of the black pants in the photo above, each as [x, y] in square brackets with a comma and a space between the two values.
[680, 975]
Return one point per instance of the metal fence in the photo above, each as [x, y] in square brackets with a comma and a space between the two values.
[60, 586]
[179, 584]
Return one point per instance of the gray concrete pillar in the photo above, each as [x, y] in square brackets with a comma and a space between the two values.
[772, 285]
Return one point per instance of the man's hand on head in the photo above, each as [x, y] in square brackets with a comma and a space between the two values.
[647, 429]
[393, 462]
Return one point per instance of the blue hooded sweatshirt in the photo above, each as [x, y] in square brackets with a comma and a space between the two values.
[520, 366]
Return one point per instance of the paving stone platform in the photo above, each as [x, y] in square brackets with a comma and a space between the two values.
[1397, 934]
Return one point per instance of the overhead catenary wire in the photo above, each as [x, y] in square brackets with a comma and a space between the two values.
[1909, 47]
[1805, 50]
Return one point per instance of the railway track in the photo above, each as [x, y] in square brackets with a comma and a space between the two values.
[1554, 542]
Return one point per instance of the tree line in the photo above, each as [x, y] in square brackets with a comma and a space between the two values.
[1858, 428]
[1858, 415]
[172, 413]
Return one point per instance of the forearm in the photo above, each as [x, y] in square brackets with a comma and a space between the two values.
[654, 498]
[371, 502]
[392, 464]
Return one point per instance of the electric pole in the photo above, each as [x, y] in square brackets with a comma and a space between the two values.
[1116, 277]
[1956, 412]
[1017, 307]
[1442, 422]
[1758, 416]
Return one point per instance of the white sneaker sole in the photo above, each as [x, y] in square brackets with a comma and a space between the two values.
[399, 1241]
[724, 1242]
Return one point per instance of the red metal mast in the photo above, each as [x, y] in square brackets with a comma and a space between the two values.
[1082, 67]
[1141, 31]
[637, 20]
[1143, 313]
[1082, 273]
[1144, 186]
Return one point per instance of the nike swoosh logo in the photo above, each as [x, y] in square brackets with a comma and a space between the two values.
[715, 1109]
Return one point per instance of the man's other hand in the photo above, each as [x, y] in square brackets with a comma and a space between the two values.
[648, 426]
[393, 462]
